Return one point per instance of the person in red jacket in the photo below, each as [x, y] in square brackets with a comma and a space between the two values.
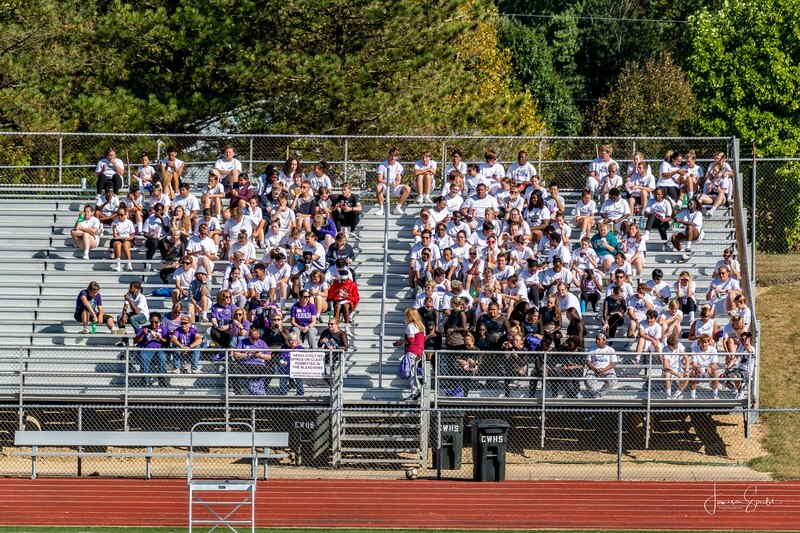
[343, 295]
[414, 342]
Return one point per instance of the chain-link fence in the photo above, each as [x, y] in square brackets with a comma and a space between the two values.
[61, 160]
[485, 443]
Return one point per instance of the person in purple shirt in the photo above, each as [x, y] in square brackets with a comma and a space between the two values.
[251, 356]
[151, 340]
[304, 319]
[187, 340]
[221, 317]
[89, 308]
[285, 364]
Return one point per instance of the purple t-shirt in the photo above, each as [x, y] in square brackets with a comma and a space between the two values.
[95, 302]
[222, 313]
[303, 315]
[185, 337]
[247, 344]
[150, 341]
[236, 332]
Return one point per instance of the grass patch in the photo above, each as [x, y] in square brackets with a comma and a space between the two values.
[777, 269]
[778, 310]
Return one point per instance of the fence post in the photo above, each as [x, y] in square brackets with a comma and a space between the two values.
[60, 158]
[544, 395]
[753, 222]
[439, 444]
[541, 149]
[619, 444]
[250, 168]
[127, 387]
[80, 448]
[347, 160]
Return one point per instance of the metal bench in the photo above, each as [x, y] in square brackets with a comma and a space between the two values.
[149, 440]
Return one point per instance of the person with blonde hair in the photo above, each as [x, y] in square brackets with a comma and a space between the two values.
[414, 342]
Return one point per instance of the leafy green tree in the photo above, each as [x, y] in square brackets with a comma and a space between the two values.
[653, 99]
[533, 69]
[745, 72]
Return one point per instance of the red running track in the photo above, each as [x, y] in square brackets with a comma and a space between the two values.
[418, 504]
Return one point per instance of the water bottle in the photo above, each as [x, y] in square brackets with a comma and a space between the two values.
[94, 327]
[81, 218]
[473, 292]
[642, 223]
[83, 184]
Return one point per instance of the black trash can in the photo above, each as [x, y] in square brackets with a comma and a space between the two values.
[489, 439]
[309, 438]
[452, 434]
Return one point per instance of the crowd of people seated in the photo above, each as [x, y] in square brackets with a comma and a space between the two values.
[283, 240]
[494, 268]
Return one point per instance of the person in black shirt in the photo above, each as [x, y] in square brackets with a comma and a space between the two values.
[333, 338]
[340, 249]
[347, 209]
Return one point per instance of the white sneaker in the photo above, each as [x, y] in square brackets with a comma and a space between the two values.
[379, 212]
[693, 395]
[715, 393]
[86, 331]
[129, 267]
[420, 198]
[741, 395]
[646, 235]
[86, 256]
[428, 198]
[397, 210]
[116, 266]
[711, 212]
[669, 394]
[677, 396]
[686, 256]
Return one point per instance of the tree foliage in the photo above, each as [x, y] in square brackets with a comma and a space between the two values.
[322, 66]
[745, 72]
[534, 70]
[653, 99]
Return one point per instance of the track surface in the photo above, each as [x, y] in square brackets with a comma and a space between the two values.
[417, 504]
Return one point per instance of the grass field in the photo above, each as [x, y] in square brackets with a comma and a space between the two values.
[778, 309]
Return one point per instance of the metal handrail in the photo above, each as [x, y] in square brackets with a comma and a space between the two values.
[387, 195]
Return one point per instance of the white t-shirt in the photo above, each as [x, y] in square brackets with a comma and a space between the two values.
[390, 173]
[492, 172]
[480, 205]
[196, 244]
[248, 249]
[585, 209]
[662, 209]
[523, 173]
[141, 302]
[675, 359]
[123, 229]
[696, 218]
[705, 359]
[419, 165]
[651, 331]
[226, 166]
[93, 224]
[163, 200]
[600, 167]
[663, 181]
[105, 167]
[448, 169]
[178, 164]
[109, 207]
[602, 357]
[615, 210]
[189, 203]
[274, 273]
[155, 228]
[648, 181]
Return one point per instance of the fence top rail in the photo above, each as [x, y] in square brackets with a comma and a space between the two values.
[343, 137]
[235, 439]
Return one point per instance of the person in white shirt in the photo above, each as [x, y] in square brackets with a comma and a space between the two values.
[670, 320]
[279, 273]
[692, 221]
[106, 206]
[424, 177]
[475, 206]
[616, 211]
[171, 171]
[522, 171]
[453, 198]
[719, 158]
[677, 367]
[567, 300]
[145, 175]
[649, 337]
[202, 248]
[186, 200]
[109, 170]
[612, 180]
[638, 306]
[638, 157]
[440, 212]
[638, 186]
[492, 170]
[87, 231]
[227, 168]
[722, 291]
[598, 168]
[456, 165]
[558, 249]
[134, 311]
[729, 260]
[694, 174]
[704, 365]
[669, 175]
[717, 190]
[538, 216]
[659, 289]
[584, 213]
[213, 193]
[600, 362]
[583, 258]
[659, 215]
[122, 231]
[390, 175]
[318, 178]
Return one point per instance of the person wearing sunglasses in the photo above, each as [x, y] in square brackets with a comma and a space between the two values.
[123, 232]
[151, 340]
[304, 319]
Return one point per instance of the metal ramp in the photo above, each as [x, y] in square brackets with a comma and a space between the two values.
[208, 496]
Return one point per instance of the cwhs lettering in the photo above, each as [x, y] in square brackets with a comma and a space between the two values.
[309, 424]
[492, 439]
